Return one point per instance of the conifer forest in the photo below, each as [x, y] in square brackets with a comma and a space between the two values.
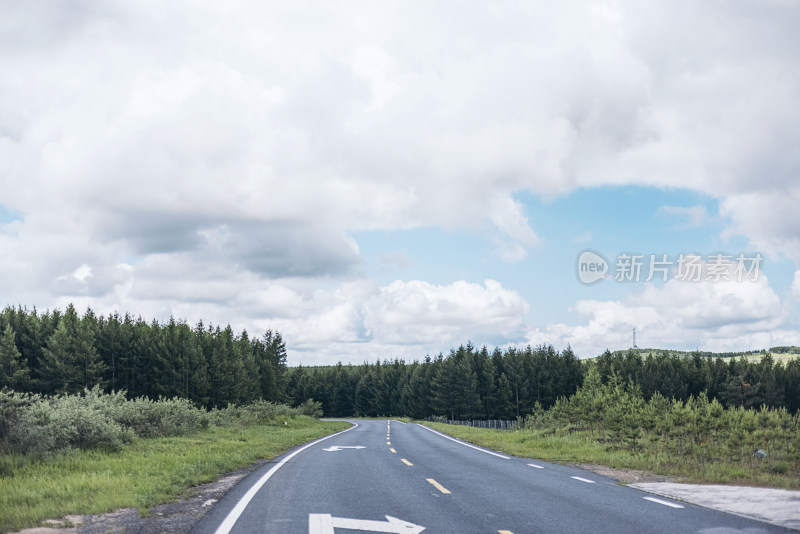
[57, 352]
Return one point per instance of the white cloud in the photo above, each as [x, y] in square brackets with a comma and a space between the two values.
[769, 218]
[403, 319]
[219, 158]
[363, 321]
[418, 311]
[507, 216]
[352, 322]
[796, 285]
[706, 315]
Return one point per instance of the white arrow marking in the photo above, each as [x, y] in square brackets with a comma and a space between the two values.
[335, 448]
[325, 524]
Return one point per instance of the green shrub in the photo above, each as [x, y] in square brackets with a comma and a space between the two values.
[35, 425]
[161, 418]
[62, 423]
[12, 405]
[311, 408]
[779, 468]
[260, 412]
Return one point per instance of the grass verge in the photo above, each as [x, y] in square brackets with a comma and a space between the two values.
[145, 473]
[580, 448]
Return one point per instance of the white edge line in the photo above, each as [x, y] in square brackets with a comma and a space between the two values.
[233, 516]
[397, 421]
[465, 444]
[536, 466]
[584, 480]
[665, 503]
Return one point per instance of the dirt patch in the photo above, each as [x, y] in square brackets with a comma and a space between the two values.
[626, 476]
[173, 518]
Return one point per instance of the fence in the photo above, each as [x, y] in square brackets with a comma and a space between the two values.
[496, 424]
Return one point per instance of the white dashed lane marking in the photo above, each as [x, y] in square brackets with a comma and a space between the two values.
[665, 503]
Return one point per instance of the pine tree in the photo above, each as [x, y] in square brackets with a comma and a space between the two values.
[366, 396]
[469, 402]
[517, 378]
[444, 388]
[416, 395]
[486, 382]
[225, 368]
[390, 384]
[70, 360]
[454, 388]
[342, 392]
[199, 381]
[276, 354]
[591, 400]
[268, 386]
[14, 371]
[250, 381]
[504, 398]
[30, 331]
[110, 348]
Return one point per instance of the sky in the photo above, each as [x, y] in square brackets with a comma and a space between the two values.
[380, 180]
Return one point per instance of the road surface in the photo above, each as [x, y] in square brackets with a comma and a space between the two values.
[387, 476]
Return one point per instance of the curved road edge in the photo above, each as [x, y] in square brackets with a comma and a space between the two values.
[232, 516]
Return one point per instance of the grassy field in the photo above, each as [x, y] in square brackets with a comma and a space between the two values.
[581, 448]
[147, 472]
[777, 357]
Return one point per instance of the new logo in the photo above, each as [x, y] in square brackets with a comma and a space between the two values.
[591, 267]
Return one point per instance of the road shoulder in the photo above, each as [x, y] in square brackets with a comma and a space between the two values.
[775, 506]
[172, 518]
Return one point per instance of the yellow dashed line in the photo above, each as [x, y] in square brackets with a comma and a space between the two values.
[406, 461]
[394, 451]
[388, 442]
[437, 485]
[504, 532]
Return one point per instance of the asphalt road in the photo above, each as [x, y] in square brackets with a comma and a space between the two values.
[387, 476]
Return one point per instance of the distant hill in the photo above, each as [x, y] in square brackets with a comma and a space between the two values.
[779, 354]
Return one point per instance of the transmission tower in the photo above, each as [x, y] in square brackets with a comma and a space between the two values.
[634, 339]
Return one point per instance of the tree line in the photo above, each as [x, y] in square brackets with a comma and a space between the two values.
[731, 381]
[59, 352]
[472, 383]
[468, 383]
